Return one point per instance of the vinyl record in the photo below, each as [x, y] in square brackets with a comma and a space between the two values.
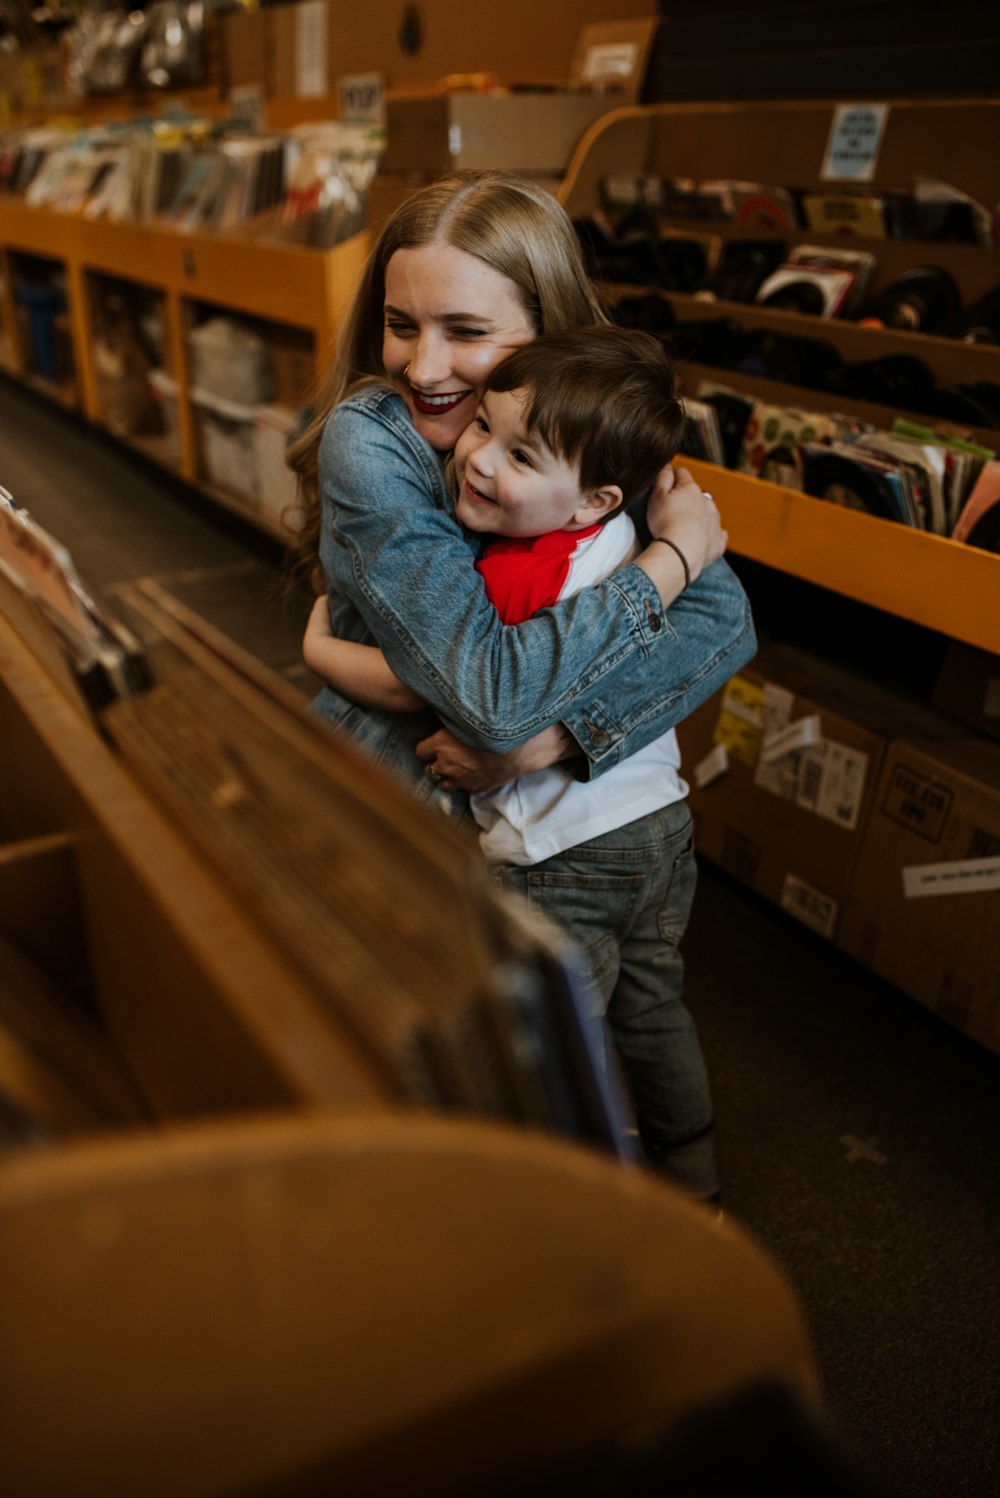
[797, 296]
[851, 484]
[733, 412]
[925, 299]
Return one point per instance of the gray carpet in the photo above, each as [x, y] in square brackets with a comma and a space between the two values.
[858, 1135]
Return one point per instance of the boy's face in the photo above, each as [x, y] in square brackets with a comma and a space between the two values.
[510, 483]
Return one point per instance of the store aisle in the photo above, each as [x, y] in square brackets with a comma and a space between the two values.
[858, 1135]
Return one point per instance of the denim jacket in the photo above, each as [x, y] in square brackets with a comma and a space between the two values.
[608, 663]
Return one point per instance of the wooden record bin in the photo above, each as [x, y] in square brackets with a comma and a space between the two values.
[237, 1266]
[291, 291]
[197, 1009]
[927, 579]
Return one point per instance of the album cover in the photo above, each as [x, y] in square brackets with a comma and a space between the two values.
[813, 290]
[733, 410]
[925, 469]
[858, 481]
[846, 213]
[702, 437]
[773, 434]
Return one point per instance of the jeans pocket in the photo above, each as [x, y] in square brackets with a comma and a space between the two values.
[680, 879]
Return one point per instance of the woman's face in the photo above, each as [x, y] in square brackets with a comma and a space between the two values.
[450, 320]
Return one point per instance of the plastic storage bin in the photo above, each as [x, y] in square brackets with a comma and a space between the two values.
[231, 361]
[277, 486]
[228, 448]
[43, 305]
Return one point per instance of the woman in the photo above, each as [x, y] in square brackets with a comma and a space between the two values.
[465, 271]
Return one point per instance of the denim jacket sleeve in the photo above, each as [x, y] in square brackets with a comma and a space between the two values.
[609, 663]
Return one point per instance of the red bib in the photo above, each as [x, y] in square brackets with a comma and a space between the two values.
[526, 573]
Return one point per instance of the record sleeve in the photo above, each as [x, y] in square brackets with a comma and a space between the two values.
[855, 481]
[979, 522]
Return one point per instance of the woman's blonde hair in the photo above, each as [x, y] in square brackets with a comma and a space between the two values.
[512, 225]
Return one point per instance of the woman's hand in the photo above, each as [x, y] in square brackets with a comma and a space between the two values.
[459, 767]
[680, 510]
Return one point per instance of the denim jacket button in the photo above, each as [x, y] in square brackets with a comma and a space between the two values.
[599, 738]
[655, 622]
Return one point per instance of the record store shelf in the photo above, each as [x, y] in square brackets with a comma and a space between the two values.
[286, 284]
[930, 580]
[940, 584]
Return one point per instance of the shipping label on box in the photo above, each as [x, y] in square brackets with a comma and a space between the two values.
[923, 904]
[783, 763]
[779, 789]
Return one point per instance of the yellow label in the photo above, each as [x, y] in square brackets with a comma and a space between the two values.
[740, 719]
[846, 215]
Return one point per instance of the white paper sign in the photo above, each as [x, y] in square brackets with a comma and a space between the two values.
[248, 102]
[969, 876]
[809, 905]
[853, 144]
[610, 61]
[714, 764]
[798, 735]
[312, 77]
[841, 785]
[362, 99]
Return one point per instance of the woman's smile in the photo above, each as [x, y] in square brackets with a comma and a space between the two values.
[438, 405]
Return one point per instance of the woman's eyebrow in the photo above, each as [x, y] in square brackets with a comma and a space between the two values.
[445, 317]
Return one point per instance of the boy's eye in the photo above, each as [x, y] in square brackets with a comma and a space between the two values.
[520, 456]
[481, 425]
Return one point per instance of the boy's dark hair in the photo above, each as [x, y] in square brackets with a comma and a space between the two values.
[602, 399]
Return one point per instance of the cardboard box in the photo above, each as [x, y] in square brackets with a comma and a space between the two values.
[521, 40]
[523, 132]
[294, 366]
[968, 687]
[247, 49]
[924, 897]
[782, 765]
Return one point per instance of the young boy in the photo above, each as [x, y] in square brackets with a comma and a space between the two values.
[571, 429]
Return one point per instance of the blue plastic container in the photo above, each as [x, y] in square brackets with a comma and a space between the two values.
[44, 304]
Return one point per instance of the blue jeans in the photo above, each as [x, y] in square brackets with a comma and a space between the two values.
[626, 897]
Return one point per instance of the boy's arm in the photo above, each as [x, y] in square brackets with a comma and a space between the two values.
[356, 671]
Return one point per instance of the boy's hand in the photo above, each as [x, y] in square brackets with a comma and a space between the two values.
[678, 508]
[318, 627]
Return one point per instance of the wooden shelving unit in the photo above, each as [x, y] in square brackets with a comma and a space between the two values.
[932, 581]
[285, 284]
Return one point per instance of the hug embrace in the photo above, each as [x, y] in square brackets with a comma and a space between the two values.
[522, 597]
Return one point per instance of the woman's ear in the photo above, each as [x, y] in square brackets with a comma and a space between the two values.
[598, 504]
